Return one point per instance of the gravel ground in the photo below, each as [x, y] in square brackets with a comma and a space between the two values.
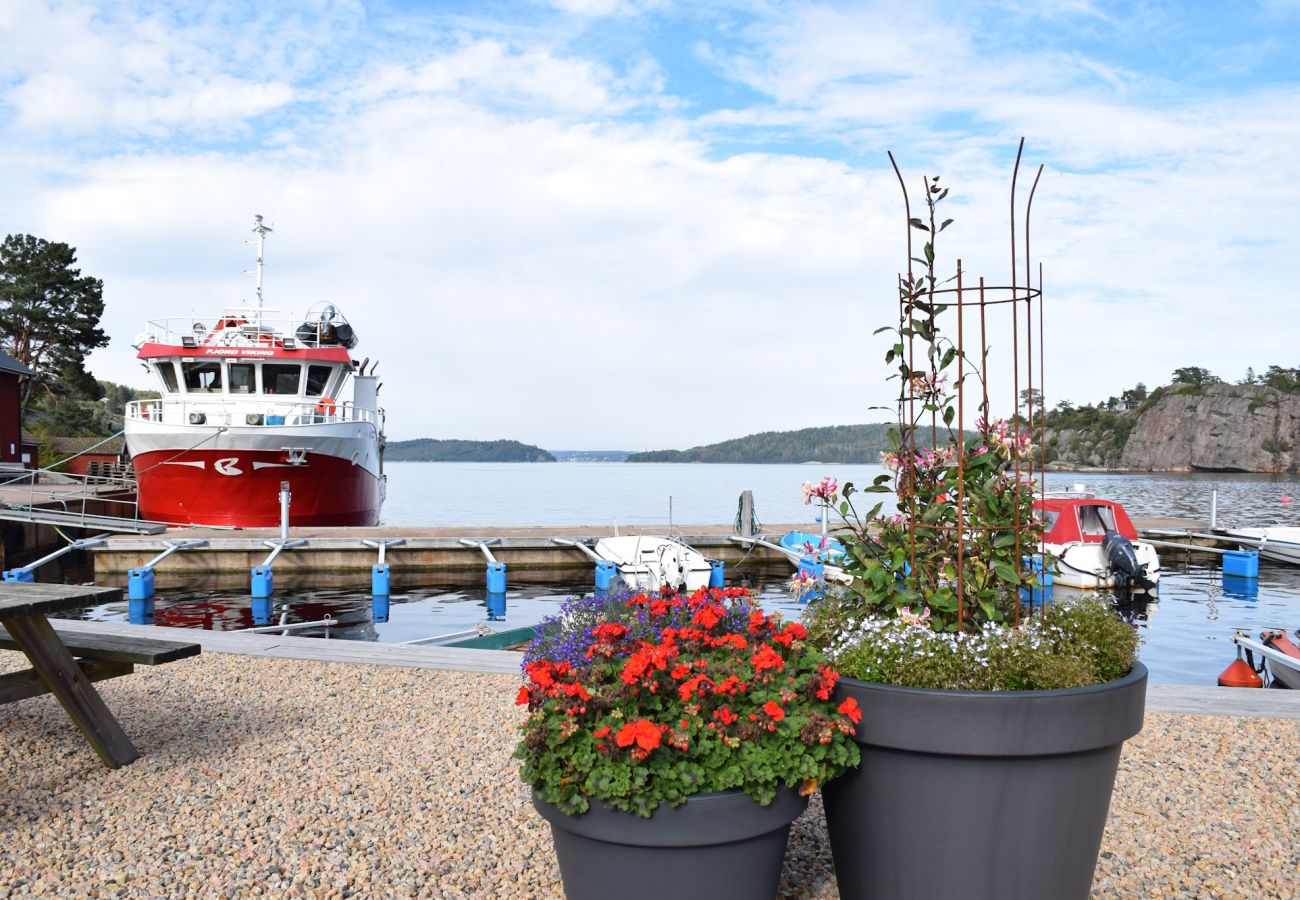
[265, 777]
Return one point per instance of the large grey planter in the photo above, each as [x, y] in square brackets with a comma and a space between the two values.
[971, 795]
[712, 847]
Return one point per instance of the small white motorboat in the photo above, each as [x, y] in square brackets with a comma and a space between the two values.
[1095, 544]
[1279, 543]
[647, 563]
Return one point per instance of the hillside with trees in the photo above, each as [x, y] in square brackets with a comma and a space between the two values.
[433, 450]
[832, 444]
[1197, 422]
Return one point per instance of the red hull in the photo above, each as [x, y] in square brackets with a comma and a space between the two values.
[229, 489]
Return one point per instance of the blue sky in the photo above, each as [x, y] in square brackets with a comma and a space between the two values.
[645, 224]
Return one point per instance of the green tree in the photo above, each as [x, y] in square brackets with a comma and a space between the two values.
[1283, 379]
[1195, 376]
[49, 313]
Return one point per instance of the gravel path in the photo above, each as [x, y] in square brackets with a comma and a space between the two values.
[269, 777]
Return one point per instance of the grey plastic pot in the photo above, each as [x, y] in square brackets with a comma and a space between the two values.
[712, 847]
[964, 794]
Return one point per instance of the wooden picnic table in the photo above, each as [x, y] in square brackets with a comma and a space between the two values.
[23, 611]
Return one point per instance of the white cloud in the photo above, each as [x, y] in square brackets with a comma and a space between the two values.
[539, 242]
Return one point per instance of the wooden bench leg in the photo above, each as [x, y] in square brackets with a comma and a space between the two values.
[61, 674]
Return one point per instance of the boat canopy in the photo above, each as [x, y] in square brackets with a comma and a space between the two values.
[1066, 520]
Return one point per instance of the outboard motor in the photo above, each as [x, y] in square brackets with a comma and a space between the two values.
[1122, 560]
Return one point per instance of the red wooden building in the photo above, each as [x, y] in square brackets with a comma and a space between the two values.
[11, 419]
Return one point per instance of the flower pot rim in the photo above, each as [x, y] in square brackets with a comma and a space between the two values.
[709, 817]
[999, 723]
[1137, 673]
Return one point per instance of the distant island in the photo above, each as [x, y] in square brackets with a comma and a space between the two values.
[431, 450]
[856, 444]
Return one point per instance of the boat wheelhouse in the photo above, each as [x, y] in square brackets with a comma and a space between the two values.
[249, 403]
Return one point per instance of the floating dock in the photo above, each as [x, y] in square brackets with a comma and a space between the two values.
[342, 558]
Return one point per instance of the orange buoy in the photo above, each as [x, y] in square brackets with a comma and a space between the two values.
[1240, 674]
[1286, 499]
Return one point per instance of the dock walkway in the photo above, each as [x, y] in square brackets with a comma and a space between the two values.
[1161, 698]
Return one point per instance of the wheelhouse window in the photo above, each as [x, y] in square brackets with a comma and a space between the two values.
[280, 379]
[242, 378]
[168, 373]
[203, 377]
[1096, 519]
[317, 378]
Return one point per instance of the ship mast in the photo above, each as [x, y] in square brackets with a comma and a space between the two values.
[261, 231]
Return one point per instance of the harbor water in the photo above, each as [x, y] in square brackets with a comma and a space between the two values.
[1186, 630]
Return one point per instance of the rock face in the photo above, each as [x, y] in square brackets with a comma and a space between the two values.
[1222, 427]
[1074, 448]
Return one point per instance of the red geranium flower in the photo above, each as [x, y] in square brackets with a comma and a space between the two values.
[767, 658]
[523, 696]
[850, 708]
[642, 732]
[773, 709]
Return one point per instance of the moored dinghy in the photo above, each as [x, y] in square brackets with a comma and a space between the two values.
[1279, 543]
[647, 562]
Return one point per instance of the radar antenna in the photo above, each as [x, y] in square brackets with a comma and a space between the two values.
[261, 231]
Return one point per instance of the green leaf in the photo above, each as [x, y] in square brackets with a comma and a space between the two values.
[929, 253]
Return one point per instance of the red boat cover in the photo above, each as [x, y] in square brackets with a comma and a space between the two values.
[1077, 519]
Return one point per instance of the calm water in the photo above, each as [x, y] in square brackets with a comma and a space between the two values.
[1186, 631]
[500, 494]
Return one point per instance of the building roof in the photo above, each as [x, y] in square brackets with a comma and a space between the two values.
[13, 366]
[70, 446]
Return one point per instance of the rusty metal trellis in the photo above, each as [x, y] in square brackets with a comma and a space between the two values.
[1018, 300]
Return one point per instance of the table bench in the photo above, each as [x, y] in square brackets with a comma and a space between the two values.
[56, 670]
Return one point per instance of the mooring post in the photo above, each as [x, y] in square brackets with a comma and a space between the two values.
[496, 571]
[746, 513]
[140, 581]
[496, 605]
[380, 572]
[717, 573]
[285, 497]
[1214, 508]
[27, 573]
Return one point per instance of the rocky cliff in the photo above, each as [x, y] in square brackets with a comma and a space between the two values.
[1222, 427]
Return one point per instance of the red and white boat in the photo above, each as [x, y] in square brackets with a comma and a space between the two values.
[1095, 544]
[251, 402]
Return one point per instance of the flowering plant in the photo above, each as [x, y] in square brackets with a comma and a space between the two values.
[642, 699]
[933, 595]
[1069, 644]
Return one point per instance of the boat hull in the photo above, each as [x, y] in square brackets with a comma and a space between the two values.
[1280, 544]
[241, 488]
[648, 563]
[1084, 565]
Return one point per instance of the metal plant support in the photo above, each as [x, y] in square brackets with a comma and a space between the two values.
[920, 300]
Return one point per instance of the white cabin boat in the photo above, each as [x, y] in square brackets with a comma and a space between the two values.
[251, 403]
[1279, 543]
[647, 563]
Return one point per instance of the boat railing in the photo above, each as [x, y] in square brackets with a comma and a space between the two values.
[249, 412]
[240, 326]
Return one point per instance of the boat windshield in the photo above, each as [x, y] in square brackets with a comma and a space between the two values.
[168, 373]
[317, 378]
[241, 378]
[1048, 517]
[278, 378]
[1096, 519]
[203, 377]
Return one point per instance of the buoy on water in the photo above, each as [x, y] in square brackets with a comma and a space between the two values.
[1240, 674]
[1286, 499]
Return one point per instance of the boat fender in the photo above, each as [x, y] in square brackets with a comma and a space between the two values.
[1240, 675]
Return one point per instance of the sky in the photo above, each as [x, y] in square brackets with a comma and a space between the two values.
[645, 224]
